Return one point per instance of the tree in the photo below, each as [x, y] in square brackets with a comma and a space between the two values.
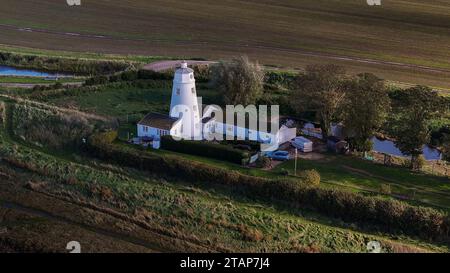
[240, 81]
[414, 108]
[320, 91]
[365, 109]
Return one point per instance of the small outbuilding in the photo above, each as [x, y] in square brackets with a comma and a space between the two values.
[336, 145]
[155, 125]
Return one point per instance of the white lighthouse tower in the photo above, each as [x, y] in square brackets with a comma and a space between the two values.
[184, 104]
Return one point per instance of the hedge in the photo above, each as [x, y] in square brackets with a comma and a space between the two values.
[67, 65]
[386, 215]
[130, 76]
[206, 149]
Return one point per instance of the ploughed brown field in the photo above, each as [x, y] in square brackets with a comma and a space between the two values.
[406, 41]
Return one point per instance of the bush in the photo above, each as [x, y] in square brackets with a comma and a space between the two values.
[2, 112]
[276, 80]
[385, 189]
[310, 177]
[419, 162]
[206, 149]
[153, 75]
[129, 76]
[97, 80]
[104, 138]
[51, 126]
[137, 77]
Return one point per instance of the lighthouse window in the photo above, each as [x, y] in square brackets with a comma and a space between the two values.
[192, 76]
[178, 91]
[193, 90]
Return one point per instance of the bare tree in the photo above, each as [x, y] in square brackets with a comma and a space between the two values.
[240, 81]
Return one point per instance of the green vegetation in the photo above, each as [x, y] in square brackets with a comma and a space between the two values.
[206, 149]
[290, 33]
[182, 211]
[198, 216]
[239, 81]
[67, 65]
[410, 124]
[365, 110]
[320, 92]
[318, 189]
[363, 176]
[79, 55]
[387, 215]
[36, 80]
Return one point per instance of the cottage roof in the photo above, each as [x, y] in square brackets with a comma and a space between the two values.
[158, 121]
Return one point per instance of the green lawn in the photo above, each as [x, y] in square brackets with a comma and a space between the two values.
[357, 174]
[132, 101]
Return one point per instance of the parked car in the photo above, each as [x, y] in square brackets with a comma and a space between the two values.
[278, 155]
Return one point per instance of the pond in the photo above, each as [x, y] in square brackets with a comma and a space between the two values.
[388, 147]
[18, 72]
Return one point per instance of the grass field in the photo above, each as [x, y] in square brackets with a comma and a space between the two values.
[132, 103]
[137, 203]
[120, 102]
[405, 41]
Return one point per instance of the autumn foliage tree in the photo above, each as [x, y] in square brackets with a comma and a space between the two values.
[365, 110]
[240, 81]
[409, 125]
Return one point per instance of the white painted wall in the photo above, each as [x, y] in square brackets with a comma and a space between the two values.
[147, 131]
[184, 102]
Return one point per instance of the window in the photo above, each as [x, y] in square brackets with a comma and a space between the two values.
[191, 75]
[178, 91]
[193, 90]
[145, 128]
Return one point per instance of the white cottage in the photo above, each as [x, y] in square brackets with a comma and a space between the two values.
[185, 121]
